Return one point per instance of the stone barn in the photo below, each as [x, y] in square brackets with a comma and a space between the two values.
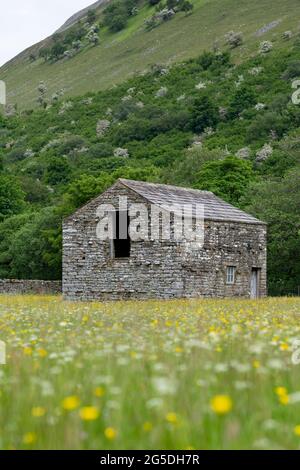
[230, 261]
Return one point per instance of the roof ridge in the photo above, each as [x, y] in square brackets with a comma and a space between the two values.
[124, 180]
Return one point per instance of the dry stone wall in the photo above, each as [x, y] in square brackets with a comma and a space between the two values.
[17, 286]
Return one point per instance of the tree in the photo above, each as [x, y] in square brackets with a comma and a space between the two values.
[93, 38]
[35, 249]
[57, 51]
[234, 39]
[11, 197]
[276, 201]
[117, 23]
[204, 114]
[85, 188]
[228, 178]
[42, 90]
[44, 53]
[186, 6]
[185, 171]
[8, 229]
[91, 16]
[58, 171]
[243, 99]
[115, 16]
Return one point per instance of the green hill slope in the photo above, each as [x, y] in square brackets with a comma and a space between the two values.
[132, 50]
[207, 123]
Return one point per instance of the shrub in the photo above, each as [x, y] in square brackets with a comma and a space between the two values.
[204, 113]
[228, 178]
[234, 39]
[58, 171]
[101, 150]
[243, 99]
[11, 197]
[265, 123]
[265, 47]
[292, 70]
[116, 15]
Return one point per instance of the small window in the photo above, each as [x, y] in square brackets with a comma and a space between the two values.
[230, 276]
[121, 243]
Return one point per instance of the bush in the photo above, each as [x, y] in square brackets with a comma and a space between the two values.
[11, 197]
[292, 70]
[266, 123]
[234, 39]
[101, 150]
[228, 178]
[243, 99]
[58, 171]
[204, 113]
[117, 13]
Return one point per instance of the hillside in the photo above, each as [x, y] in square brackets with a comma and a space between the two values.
[121, 54]
[80, 15]
[206, 123]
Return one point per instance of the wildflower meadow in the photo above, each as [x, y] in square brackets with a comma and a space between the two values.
[199, 374]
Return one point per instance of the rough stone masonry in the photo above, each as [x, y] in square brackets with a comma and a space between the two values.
[231, 262]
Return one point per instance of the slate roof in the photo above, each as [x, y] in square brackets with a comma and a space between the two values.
[214, 207]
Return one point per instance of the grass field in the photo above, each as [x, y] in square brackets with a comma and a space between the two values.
[182, 374]
[133, 50]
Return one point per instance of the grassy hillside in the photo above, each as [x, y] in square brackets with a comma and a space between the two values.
[207, 123]
[132, 50]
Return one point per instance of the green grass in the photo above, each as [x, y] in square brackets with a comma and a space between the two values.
[145, 374]
[133, 50]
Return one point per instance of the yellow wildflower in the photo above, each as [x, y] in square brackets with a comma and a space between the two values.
[38, 412]
[42, 352]
[110, 433]
[282, 394]
[284, 399]
[89, 413]
[172, 418]
[99, 392]
[281, 391]
[147, 426]
[221, 404]
[70, 403]
[27, 351]
[29, 438]
[297, 430]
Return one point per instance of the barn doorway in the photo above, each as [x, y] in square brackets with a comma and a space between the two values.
[255, 281]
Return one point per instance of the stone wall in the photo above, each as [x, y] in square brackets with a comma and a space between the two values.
[157, 269]
[16, 286]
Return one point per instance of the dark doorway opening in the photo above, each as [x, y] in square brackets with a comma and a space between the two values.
[121, 242]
